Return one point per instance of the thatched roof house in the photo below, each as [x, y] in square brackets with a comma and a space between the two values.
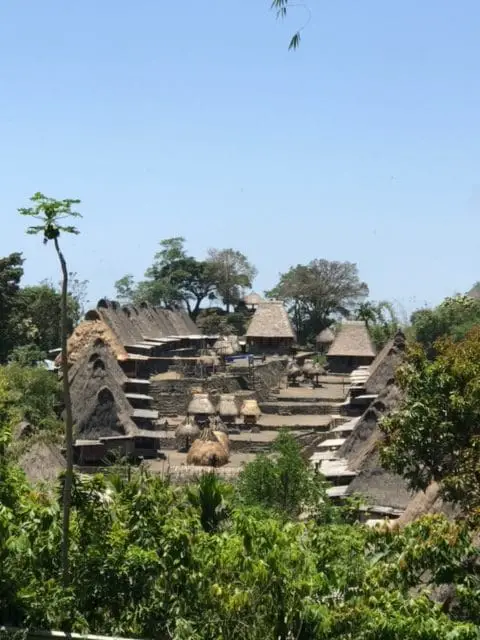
[253, 300]
[351, 348]
[324, 339]
[86, 333]
[361, 449]
[270, 329]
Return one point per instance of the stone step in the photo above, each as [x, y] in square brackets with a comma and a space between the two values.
[145, 414]
[138, 396]
[297, 422]
[287, 407]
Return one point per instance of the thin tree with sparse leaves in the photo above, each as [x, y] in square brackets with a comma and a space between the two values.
[51, 215]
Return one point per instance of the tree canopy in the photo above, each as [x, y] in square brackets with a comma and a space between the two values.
[435, 434]
[178, 279]
[318, 292]
[380, 319]
[454, 317]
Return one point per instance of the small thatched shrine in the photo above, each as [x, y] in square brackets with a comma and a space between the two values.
[250, 412]
[351, 348]
[227, 408]
[270, 329]
[186, 433]
[324, 339]
[201, 408]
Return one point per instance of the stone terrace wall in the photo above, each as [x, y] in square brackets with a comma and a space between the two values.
[171, 397]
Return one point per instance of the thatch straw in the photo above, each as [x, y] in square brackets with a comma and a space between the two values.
[250, 408]
[222, 437]
[186, 433]
[217, 425]
[200, 404]
[325, 337]
[207, 450]
[227, 407]
[86, 333]
[224, 348]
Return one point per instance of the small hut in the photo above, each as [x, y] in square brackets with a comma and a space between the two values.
[270, 330]
[324, 339]
[250, 412]
[352, 348]
[186, 433]
[227, 408]
[210, 449]
[201, 408]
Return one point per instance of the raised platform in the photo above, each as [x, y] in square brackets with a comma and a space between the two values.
[298, 421]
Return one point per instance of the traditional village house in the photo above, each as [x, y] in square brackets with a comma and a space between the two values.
[270, 330]
[252, 300]
[351, 348]
[324, 339]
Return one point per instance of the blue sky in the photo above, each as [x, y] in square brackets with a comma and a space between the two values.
[191, 118]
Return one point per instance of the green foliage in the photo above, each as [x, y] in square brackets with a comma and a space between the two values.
[285, 482]
[318, 292]
[381, 321]
[51, 213]
[31, 394]
[177, 279]
[232, 273]
[38, 313]
[434, 435]
[454, 318]
[150, 560]
[11, 272]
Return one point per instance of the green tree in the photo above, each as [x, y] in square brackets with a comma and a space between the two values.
[233, 273]
[285, 482]
[11, 272]
[435, 434]
[125, 288]
[174, 279]
[51, 214]
[318, 292]
[454, 318]
[380, 319]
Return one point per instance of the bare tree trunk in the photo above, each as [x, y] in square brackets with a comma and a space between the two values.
[67, 487]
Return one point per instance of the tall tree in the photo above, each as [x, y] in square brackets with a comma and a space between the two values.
[174, 279]
[125, 288]
[318, 292]
[233, 273]
[380, 319]
[11, 272]
[38, 313]
[51, 214]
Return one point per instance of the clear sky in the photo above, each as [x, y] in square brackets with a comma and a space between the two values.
[192, 118]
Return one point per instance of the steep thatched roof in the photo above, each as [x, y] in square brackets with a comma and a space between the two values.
[253, 299]
[361, 449]
[325, 337]
[270, 320]
[135, 324]
[352, 339]
[426, 502]
[86, 333]
[383, 368]
[99, 405]
[103, 417]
